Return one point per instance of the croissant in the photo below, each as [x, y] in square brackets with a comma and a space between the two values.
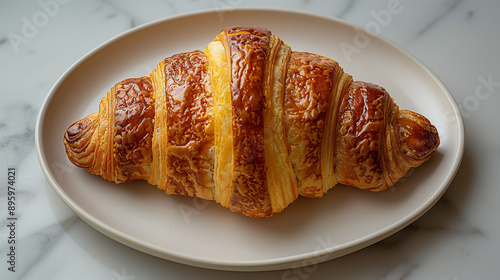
[252, 125]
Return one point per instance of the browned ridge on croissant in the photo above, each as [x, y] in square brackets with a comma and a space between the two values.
[250, 124]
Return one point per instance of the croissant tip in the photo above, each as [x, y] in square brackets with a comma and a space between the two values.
[419, 138]
[76, 131]
[76, 139]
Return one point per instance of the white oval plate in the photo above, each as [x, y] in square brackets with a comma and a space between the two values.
[204, 234]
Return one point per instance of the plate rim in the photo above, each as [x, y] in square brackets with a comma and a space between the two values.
[256, 265]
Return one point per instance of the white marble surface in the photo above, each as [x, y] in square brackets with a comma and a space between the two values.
[459, 238]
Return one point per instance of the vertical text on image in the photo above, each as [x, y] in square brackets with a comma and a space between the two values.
[11, 219]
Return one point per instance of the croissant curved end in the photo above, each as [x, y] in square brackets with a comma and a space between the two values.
[418, 137]
[78, 141]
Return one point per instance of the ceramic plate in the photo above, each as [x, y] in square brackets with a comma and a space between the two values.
[202, 233]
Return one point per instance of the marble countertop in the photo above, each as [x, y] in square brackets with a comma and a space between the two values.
[459, 238]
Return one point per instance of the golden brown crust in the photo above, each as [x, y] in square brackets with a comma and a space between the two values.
[190, 138]
[247, 49]
[134, 115]
[78, 141]
[418, 137]
[309, 88]
[116, 142]
[360, 136]
[376, 143]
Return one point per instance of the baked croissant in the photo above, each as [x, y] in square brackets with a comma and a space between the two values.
[250, 124]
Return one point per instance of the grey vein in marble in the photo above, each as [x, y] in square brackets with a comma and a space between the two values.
[17, 131]
[441, 16]
[347, 9]
[132, 20]
[44, 239]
